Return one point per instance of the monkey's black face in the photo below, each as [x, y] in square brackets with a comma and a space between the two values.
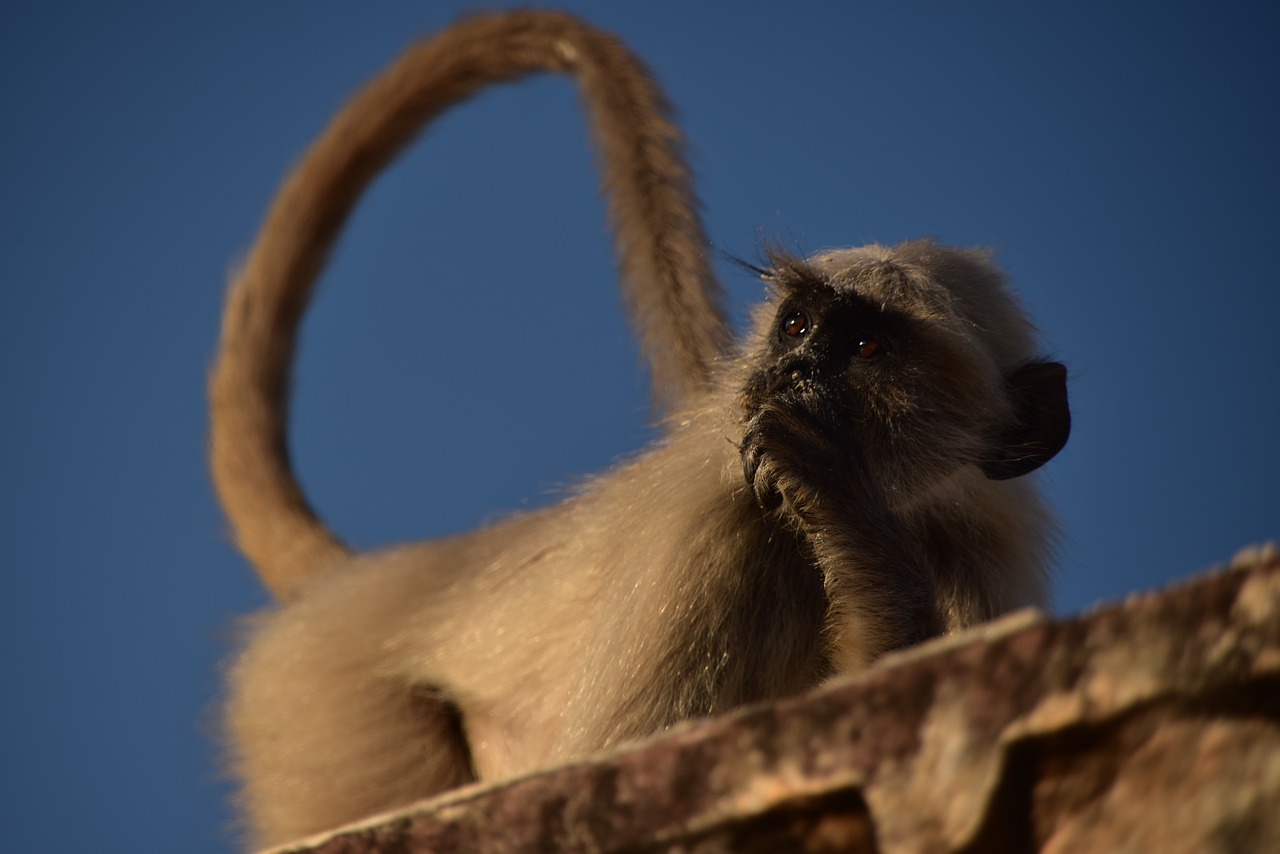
[844, 377]
[846, 387]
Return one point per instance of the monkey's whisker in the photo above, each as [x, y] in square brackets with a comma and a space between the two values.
[762, 272]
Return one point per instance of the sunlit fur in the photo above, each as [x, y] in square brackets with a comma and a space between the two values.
[804, 512]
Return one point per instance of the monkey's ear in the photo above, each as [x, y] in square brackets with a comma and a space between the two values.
[1042, 421]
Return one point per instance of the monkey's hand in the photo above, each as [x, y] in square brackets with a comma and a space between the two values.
[797, 460]
[879, 587]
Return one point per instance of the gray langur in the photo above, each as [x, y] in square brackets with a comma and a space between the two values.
[845, 481]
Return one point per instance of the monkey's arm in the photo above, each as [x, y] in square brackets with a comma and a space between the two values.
[879, 588]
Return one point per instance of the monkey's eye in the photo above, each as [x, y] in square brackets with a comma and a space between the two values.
[796, 324]
[869, 348]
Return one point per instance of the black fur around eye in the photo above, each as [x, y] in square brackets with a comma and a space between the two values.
[795, 324]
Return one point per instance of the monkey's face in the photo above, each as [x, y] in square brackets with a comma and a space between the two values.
[875, 368]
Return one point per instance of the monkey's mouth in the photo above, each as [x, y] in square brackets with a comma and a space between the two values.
[791, 378]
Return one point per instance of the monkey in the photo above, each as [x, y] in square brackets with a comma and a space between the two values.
[850, 477]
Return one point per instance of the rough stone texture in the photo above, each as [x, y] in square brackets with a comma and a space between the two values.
[1153, 725]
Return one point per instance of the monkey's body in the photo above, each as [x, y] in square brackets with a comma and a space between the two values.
[847, 482]
[553, 633]
[662, 591]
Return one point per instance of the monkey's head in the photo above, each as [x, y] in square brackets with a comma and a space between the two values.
[917, 356]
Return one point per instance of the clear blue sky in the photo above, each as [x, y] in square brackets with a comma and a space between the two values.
[1120, 157]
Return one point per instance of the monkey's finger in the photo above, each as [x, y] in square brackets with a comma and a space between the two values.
[759, 475]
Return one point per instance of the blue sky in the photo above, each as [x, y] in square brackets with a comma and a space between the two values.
[1122, 164]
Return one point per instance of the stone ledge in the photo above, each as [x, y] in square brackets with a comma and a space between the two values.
[1151, 725]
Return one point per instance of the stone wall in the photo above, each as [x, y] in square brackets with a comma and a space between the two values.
[1152, 725]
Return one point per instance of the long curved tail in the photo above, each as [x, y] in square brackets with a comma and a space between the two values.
[670, 292]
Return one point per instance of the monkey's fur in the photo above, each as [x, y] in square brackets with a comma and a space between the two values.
[844, 482]
[670, 292]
